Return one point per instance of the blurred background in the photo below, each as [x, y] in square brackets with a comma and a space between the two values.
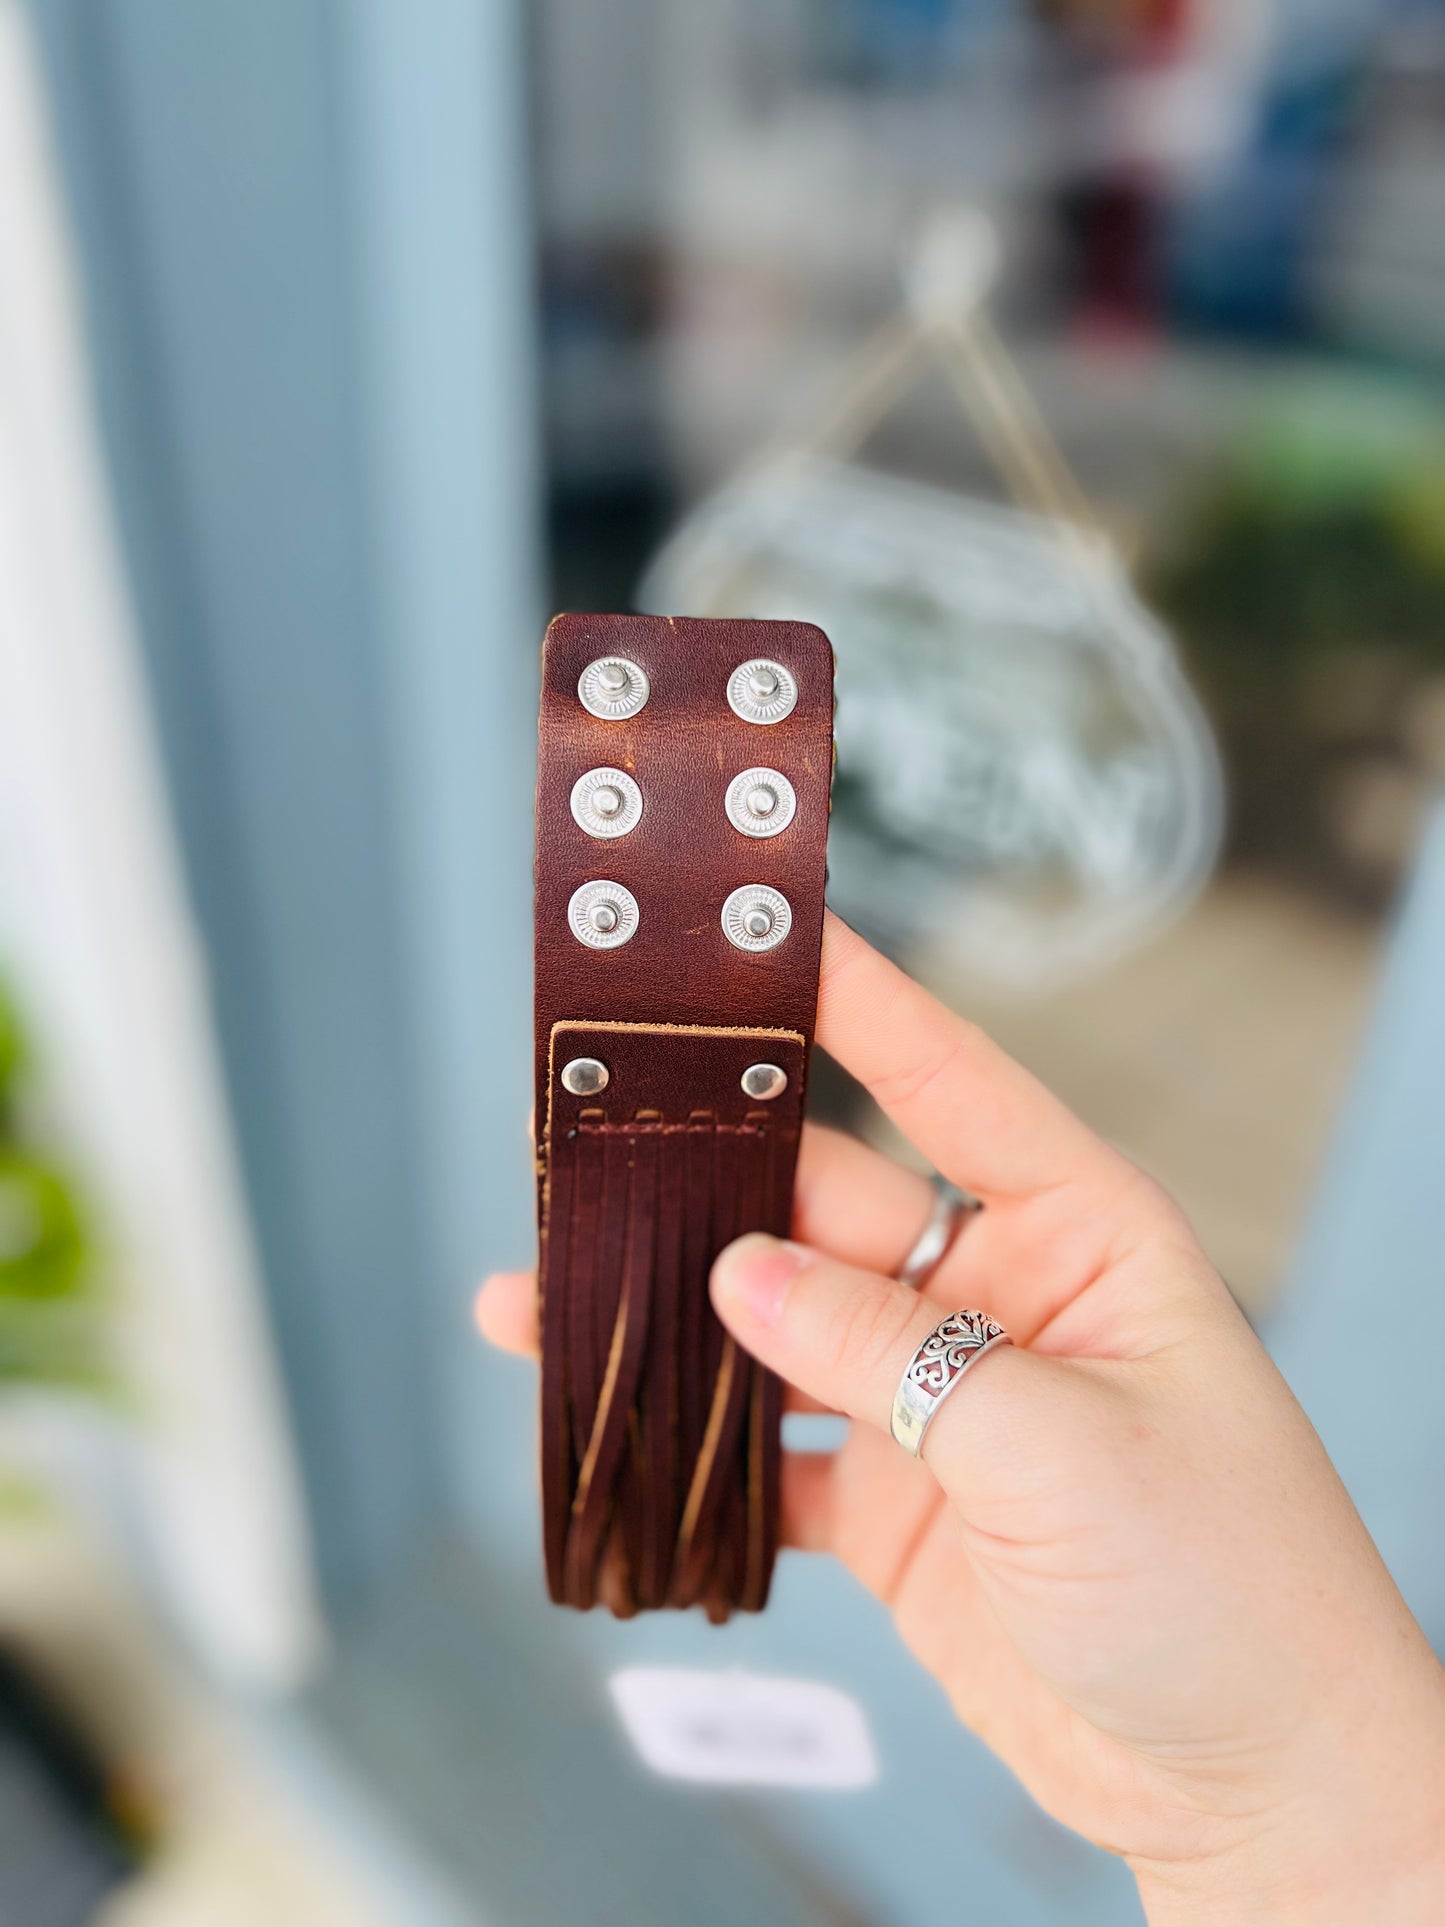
[1079, 366]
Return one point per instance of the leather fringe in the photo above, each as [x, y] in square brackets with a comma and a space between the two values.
[668, 1449]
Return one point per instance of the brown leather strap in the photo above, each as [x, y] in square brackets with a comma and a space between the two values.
[660, 1448]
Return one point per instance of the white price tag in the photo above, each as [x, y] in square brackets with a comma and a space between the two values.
[744, 1729]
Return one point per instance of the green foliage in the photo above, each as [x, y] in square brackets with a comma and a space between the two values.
[53, 1314]
[12, 1053]
[1319, 535]
[42, 1243]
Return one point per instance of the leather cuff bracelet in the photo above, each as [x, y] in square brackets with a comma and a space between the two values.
[682, 814]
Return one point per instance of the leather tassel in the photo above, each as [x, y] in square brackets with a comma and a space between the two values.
[661, 1432]
[623, 1282]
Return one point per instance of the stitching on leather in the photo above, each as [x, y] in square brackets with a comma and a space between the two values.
[705, 1119]
[633, 1127]
[676, 1030]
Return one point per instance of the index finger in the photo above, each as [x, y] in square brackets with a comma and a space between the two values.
[982, 1119]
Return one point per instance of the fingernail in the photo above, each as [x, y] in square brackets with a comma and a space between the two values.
[754, 1274]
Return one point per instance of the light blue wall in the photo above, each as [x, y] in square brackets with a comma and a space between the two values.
[444, 296]
[304, 248]
[1361, 1336]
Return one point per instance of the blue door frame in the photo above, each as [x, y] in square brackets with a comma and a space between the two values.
[305, 262]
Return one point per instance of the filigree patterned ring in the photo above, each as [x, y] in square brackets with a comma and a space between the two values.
[954, 1344]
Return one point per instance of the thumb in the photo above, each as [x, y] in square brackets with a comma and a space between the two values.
[846, 1337]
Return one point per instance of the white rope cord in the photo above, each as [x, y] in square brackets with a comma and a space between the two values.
[869, 385]
[947, 278]
[997, 373]
[944, 322]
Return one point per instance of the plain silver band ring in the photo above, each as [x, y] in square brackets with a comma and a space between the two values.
[951, 1207]
[955, 1343]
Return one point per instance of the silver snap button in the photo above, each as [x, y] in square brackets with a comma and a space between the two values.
[756, 917]
[761, 802]
[603, 914]
[585, 1076]
[763, 1081]
[613, 688]
[761, 691]
[606, 802]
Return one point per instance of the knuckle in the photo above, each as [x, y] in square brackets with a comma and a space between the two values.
[869, 1327]
[906, 1083]
[1144, 1203]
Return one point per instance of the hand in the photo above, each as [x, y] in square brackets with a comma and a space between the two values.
[1124, 1553]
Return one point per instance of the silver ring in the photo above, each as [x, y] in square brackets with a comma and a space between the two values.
[955, 1344]
[951, 1207]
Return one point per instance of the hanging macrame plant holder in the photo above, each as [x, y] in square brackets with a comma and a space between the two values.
[1021, 763]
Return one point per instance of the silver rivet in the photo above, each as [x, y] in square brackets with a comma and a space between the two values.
[606, 802]
[603, 914]
[762, 1081]
[761, 802]
[761, 691]
[586, 1076]
[756, 917]
[613, 688]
